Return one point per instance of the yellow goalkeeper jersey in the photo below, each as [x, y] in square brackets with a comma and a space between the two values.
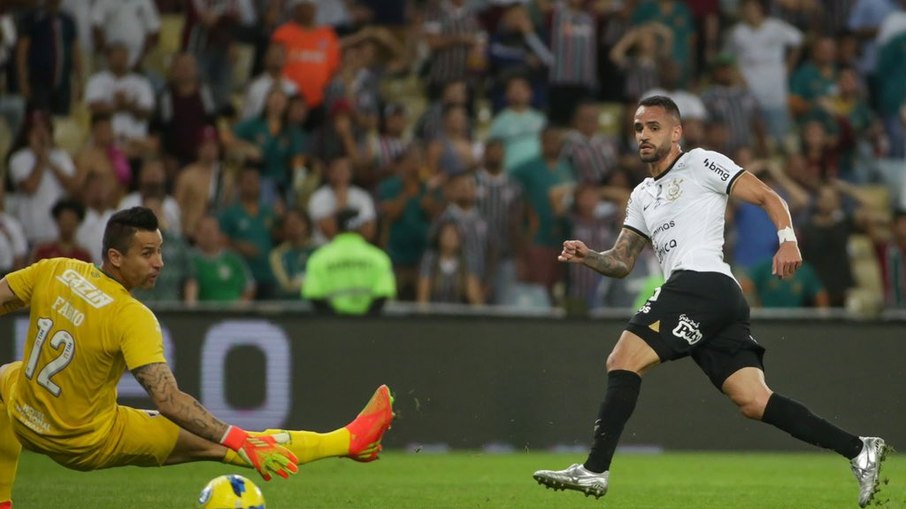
[85, 330]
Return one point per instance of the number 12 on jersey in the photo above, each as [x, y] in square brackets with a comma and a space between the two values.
[60, 339]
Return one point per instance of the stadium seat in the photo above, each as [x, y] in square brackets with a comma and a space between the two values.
[862, 303]
[610, 118]
[71, 133]
[242, 66]
[865, 268]
[892, 171]
[527, 296]
[171, 32]
[170, 42]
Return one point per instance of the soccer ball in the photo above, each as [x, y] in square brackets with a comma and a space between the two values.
[230, 492]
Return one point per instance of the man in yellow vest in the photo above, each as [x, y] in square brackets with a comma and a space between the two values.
[348, 275]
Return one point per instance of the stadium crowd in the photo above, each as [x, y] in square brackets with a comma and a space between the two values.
[466, 138]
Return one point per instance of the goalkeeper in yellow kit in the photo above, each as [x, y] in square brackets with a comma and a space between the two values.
[85, 329]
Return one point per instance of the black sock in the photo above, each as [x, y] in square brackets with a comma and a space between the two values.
[619, 402]
[797, 420]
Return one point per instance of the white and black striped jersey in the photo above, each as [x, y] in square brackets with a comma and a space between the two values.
[681, 212]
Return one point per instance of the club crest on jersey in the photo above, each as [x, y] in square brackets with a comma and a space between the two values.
[688, 329]
[674, 191]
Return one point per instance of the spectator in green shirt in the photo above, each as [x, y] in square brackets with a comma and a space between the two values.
[547, 232]
[518, 125]
[348, 275]
[248, 224]
[406, 204]
[814, 79]
[222, 274]
[892, 93]
[803, 289]
[274, 143]
[676, 16]
[289, 258]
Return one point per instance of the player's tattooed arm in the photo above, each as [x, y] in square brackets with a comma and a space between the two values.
[9, 302]
[179, 407]
[619, 260]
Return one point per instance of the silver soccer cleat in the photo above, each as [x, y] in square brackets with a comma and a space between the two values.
[577, 478]
[867, 468]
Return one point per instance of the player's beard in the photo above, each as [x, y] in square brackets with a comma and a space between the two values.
[658, 154]
[150, 282]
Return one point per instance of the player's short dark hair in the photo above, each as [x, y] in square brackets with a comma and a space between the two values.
[899, 214]
[663, 102]
[65, 204]
[122, 227]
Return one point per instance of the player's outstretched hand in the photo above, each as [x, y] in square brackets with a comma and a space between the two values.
[262, 452]
[574, 251]
[787, 260]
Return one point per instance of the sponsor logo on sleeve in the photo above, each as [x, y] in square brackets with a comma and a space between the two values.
[718, 169]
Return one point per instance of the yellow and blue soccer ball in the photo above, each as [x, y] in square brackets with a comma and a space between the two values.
[230, 492]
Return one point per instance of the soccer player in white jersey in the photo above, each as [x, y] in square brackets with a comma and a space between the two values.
[700, 311]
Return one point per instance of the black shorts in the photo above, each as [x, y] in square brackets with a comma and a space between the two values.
[703, 315]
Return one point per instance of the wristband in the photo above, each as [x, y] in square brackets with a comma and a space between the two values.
[234, 437]
[786, 235]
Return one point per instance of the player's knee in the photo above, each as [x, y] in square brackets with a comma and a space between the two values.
[617, 362]
[752, 406]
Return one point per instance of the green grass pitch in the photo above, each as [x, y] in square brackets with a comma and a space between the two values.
[473, 480]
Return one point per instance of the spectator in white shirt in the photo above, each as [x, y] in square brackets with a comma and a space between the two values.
[126, 95]
[690, 104]
[893, 25]
[258, 89]
[13, 247]
[152, 183]
[98, 209]
[41, 174]
[135, 23]
[766, 49]
[12, 105]
[338, 194]
[80, 10]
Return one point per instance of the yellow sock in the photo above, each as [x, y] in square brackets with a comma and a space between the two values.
[308, 446]
[9, 455]
[231, 458]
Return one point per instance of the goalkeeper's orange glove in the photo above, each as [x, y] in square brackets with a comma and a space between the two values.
[261, 452]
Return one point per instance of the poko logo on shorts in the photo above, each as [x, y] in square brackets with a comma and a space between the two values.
[687, 329]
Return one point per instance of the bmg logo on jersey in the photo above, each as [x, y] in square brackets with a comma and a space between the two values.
[718, 169]
[661, 249]
[688, 329]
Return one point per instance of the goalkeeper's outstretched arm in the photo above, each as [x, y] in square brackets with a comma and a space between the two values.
[179, 407]
[261, 452]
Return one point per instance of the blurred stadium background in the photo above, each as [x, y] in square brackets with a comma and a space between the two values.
[471, 137]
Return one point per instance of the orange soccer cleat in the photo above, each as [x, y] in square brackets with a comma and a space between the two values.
[367, 430]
